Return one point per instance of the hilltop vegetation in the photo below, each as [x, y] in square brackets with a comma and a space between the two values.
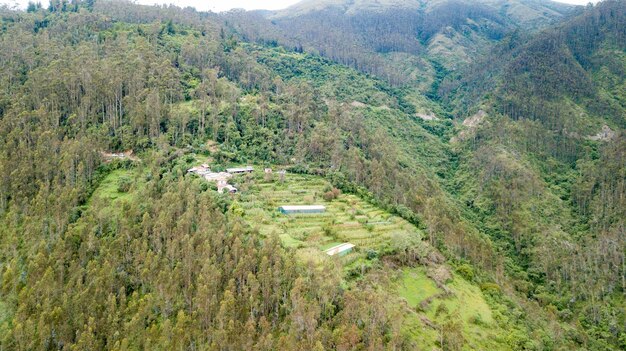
[502, 231]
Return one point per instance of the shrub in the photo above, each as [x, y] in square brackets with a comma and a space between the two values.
[453, 338]
[490, 288]
[329, 230]
[372, 254]
[332, 194]
[441, 309]
[565, 315]
[328, 196]
[336, 192]
[466, 271]
[124, 184]
[477, 319]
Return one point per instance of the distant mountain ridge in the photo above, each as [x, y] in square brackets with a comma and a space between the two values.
[523, 11]
[349, 7]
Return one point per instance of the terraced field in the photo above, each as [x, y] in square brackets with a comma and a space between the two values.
[347, 219]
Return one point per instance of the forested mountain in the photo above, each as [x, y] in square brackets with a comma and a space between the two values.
[507, 165]
[403, 42]
[542, 158]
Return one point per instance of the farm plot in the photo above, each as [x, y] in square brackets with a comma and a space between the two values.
[347, 218]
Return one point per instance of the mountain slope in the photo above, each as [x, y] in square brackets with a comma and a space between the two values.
[131, 253]
[512, 224]
[523, 12]
[349, 7]
[543, 162]
[398, 40]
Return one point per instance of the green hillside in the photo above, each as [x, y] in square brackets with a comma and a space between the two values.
[543, 168]
[473, 152]
[347, 218]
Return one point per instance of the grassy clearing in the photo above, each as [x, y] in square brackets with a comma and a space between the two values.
[117, 187]
[469, 301]
[465, 303]
[416, 287]
[108, 189]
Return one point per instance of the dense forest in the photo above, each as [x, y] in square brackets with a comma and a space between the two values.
[423, 38]
[496, 131]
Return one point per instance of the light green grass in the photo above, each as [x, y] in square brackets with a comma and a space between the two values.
[466, 303]
[330, 244]
[469, 301]
[108, 191]
[416, 287]
[108, 188]
[289, 241]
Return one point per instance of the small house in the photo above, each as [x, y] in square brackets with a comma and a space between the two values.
[200, 170]
[229, 188]
[240, 170]
[305, 209]
[340, 250]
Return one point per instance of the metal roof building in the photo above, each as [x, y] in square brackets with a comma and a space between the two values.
[302, 209]
[247, 169]
[340, 250]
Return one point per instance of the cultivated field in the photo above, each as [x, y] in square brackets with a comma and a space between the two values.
[347, 219]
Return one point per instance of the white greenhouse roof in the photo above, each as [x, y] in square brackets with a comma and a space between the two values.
[339, 249]
[303, 208]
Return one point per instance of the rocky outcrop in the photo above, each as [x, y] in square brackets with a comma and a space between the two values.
[606, 134]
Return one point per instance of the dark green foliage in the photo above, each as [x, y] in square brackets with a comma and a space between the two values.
[466, 271]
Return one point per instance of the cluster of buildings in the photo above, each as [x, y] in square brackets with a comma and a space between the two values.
[220, 178]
